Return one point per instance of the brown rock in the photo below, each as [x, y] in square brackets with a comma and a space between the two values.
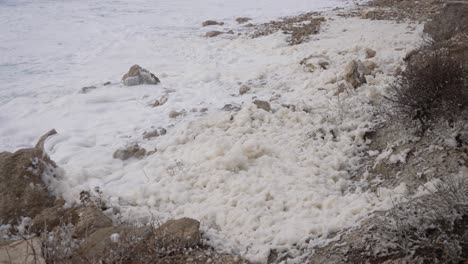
[370, 53]
[370, 65]
[373, 14]
[242, 20]
[212, 23]
[179, 234]
[52, 217]
[22, 191]
[137, 75]
[90, 219]
[244, 89]
[133, 151]
[213, 34]
[262, 105]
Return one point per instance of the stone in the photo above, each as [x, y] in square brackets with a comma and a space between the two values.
[372, 14]
[244, 89]
[87, 89]
[156, 103]
[22, 252]
[370, 65]
[133, 151]
[212, 23]
[179, 234]
[370, 53]
[137, 75]
[52, 217]
[23, 192]
[151, 134]
[340, 89]
[231, 107]
[90, 219]
[353, 75]
[242, 20]
[174, 114]
[212, 34]
[107, 83]
[324, 64]
[262, 105]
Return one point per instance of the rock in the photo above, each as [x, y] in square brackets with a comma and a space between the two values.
[212, 34]
[22, 252]
[138, 75]
[52, 217]
[372, 14]
[370, 53]
[249, 25]
[87, 89]
[370, 65]
[310, 67]
[107, 83]
[100, 248]
[156, 103]
[262, 105]
[353, 75]
[212, 23]
[90, 219]
[244, 89]
[154, 133]
[174, 114]
[231, 107]
[242, 20]
[179, 234]
[324, 64]
[22, 191]
[133, 151]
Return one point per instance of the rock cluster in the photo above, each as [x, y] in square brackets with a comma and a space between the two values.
[137, 75]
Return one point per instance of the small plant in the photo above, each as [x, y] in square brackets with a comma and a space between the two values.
[430, 89]
[94, 198]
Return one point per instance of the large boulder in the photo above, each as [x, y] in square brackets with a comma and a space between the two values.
[22, 190]
[137, 75]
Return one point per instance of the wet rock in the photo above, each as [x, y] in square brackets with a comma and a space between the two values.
[138, 75]
[370, 53]
[133, 151]
[22, 252]
[242, 20]
[244, 89]
[88, 89]
[154, 133]
[341, 88]
[179, 234]
[107, 83]
[262, 105]
[90, 219]
[324, 64]
[231, 107]
[212, 34]
[174, 114]
[353, 73]
[22, 191]
[370, 65]
[212, 23]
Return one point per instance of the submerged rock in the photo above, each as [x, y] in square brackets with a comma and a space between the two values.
[213, 34]
[262, 105]
[212, 23]
[133, 151]
[242, 20]
[138, 75]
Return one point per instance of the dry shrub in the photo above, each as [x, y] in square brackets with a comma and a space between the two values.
[431, 228]
[59, 246]
[431, 88]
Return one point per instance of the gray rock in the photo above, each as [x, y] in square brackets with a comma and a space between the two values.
[262, 105]
[242, 20]
[174, 114]
[212, 23]
[213, 34]
[137, 75]
[133, 151]
[244, 89]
